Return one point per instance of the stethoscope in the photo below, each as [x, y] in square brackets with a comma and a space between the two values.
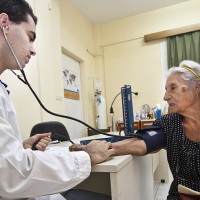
[25, 81]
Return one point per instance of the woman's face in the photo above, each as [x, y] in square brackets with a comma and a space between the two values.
[178, 95]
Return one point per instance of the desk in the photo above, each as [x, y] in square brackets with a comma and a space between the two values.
[137, 124]
[146, 122]
[123, 177]
[120, 125]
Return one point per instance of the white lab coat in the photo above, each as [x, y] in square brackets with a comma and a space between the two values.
[27, 174]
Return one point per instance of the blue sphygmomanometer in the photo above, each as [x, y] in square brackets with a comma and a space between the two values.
[153, 137]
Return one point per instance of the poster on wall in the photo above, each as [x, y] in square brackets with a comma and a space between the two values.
[71, 73]
[71, 86]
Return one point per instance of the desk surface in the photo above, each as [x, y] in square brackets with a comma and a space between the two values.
[113, 164]
[123, 177]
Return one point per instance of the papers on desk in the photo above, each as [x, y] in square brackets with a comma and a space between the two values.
[108, 139]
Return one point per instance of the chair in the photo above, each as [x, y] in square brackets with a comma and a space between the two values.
[58, 130]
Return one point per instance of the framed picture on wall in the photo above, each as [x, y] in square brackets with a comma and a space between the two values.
[71, 87]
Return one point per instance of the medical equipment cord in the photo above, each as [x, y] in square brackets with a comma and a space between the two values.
[25, 81]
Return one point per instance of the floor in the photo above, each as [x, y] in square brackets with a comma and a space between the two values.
[161, 189]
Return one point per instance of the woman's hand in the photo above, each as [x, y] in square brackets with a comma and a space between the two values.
[98, 150]
[43, 141]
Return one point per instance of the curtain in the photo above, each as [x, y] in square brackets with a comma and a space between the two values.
[183, 47]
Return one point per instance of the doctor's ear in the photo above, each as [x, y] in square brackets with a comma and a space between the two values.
[4, 28]
[4, 20]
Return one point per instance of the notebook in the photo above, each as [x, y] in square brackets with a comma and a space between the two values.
[108, 139]
[187, 193]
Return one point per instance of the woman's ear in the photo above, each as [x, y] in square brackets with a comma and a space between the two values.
[197, 84]
[198, 87]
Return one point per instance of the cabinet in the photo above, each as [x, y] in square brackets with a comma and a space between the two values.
[159, 160]
[120, 125]
[137, 124]
[146, 122]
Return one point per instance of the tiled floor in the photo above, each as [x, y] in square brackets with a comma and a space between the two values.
[161, 189]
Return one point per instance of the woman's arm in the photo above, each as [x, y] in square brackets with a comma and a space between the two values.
[133, 146]
[149, 140]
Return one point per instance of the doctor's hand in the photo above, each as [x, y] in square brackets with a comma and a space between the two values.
[98, 150]
[43, 141]
[77, 147]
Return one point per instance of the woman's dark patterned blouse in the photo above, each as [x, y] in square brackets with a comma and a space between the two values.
[183, 155]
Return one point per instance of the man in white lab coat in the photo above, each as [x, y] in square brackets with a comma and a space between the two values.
[28, 174]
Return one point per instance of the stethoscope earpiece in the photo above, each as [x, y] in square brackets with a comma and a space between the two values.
[4, 27]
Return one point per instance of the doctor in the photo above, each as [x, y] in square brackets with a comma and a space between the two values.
[27, 174]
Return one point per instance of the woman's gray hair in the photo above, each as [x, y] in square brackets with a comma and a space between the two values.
[185, 73]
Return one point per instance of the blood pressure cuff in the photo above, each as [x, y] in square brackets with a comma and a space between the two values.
[153, 137]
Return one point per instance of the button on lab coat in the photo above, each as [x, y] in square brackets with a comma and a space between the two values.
[27, 174]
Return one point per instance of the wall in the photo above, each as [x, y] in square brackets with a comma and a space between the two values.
[127, 59]
[43, 72]
[73, 35]
[119, 57]
[28, 110]
[77, 38]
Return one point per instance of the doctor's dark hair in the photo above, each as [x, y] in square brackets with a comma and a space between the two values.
[17, 10]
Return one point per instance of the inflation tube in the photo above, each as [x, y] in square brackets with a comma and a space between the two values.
[25, 81]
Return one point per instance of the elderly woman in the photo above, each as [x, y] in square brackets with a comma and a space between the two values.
[180, 130]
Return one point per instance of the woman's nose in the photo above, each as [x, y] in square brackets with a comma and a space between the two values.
[166, 96]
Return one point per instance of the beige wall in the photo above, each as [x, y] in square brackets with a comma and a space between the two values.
[77, 37]
[72, 34]
[28, 111]
[127, 59]
[43, 72]
[119, 56]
